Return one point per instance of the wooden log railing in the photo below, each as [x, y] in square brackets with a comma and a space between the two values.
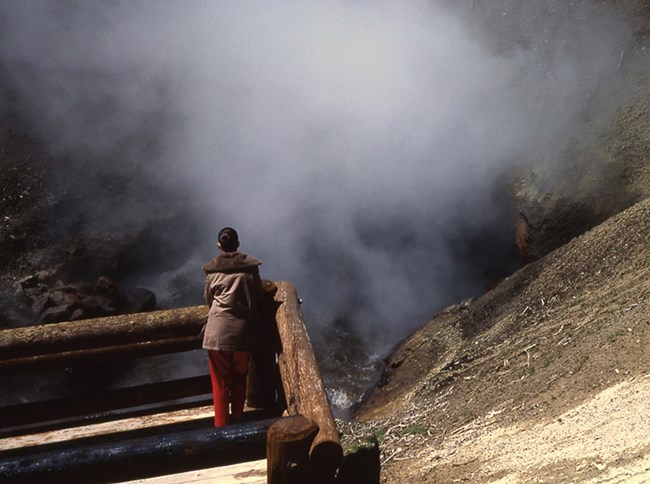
[99, 401]
[303, 385]
[175, 330]
[134, 456]
[101, 339]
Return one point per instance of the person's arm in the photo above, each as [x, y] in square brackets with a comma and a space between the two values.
[207, 290]
[259, 288]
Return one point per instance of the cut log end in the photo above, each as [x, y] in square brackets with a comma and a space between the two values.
[287, 450]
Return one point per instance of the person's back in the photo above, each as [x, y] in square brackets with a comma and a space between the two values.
[232, 291]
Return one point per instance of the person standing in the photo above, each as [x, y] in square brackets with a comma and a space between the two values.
[233, 290]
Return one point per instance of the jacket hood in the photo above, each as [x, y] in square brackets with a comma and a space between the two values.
[231, 262]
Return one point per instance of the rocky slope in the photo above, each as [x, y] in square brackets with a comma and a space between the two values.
[52, 241]
[546, 377]
[542, 378]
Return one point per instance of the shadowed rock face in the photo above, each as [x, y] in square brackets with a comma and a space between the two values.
[50, 274]
[57, 302]
[601, 178]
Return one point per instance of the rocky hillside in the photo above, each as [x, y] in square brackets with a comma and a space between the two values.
[56, 250]
[545, 378]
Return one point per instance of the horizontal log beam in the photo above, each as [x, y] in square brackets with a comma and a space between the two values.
[61, 408]
[303, 385]
[102, 355]
[156, 454]
[101, 332]
[118, 416]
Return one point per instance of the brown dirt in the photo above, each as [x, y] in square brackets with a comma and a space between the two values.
[543, 379]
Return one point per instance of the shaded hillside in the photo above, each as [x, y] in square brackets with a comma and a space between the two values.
[50, 231]
[604, 173]
[546, 377]
[605, 169]
[543, 347]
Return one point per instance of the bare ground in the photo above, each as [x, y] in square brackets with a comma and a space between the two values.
[544, 379]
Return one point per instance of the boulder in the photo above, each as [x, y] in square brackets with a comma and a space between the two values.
[140, 300]
[57, 302]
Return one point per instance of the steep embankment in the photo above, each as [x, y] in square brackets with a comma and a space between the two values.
[544, 377]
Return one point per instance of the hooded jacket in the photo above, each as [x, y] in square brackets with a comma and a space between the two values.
[233, 292]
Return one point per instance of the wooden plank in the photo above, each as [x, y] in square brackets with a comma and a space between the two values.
[253, 472]
[303, 385]
[115, 415]
[85, 431]
[155, 332]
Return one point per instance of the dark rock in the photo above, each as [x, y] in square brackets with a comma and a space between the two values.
[34, 292]
[42, 303]
[63, 298]
[78, 314]
[28, 295]
[47, 276]
[361, 464]
[105, 303]
[79, 287]
[87, 312]
[108, 288]
[29, 282]
[141, 300]
[74, 300]
[94, 307]
[56, 314]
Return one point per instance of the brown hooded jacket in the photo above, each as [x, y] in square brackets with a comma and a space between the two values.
[232, 291]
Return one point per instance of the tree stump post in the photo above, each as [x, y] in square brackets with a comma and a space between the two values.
[287, 450]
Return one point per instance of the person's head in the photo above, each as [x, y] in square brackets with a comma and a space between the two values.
[228, 239]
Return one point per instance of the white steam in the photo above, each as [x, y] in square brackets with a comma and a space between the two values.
[356, 145]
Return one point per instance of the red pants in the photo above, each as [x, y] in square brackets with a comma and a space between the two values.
[228, 371]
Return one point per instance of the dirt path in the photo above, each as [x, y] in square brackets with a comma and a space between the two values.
[602, 440]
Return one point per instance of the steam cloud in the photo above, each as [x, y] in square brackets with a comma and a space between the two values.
[359, 147]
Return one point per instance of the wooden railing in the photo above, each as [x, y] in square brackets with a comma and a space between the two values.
[177, 447]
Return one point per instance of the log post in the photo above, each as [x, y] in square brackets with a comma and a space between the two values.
[303, 385]
[264, 383]
[287, 451]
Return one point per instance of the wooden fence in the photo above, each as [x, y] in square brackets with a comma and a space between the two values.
[299, 395]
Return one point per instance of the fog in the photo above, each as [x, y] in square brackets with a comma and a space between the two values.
[365, 151]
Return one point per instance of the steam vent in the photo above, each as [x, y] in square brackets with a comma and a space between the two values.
[449, 200]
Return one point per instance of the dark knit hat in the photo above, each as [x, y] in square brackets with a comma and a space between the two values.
[228, 239]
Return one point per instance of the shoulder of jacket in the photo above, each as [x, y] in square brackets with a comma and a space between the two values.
[232, 262]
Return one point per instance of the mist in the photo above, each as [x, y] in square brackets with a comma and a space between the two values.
[364, 150]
